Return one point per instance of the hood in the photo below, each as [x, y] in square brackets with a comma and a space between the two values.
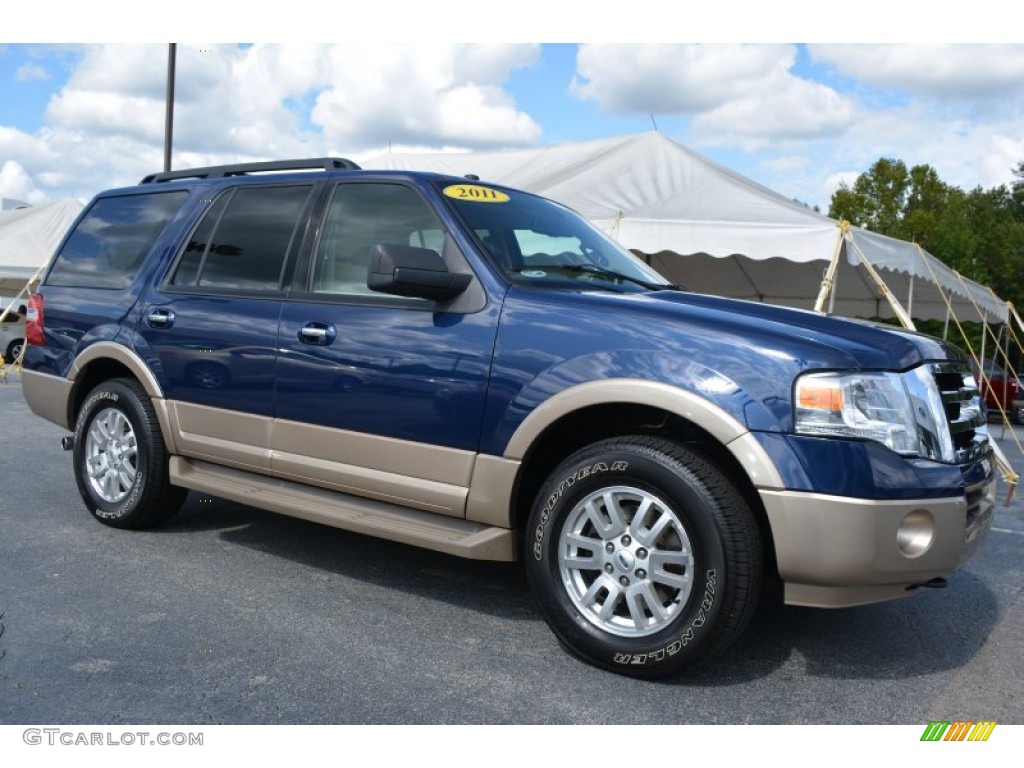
[865, 344]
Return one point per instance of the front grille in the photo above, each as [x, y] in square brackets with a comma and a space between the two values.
[965, 413]
[980, 506]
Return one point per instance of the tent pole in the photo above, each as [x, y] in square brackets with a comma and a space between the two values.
[830, 274]
[910, 296]
[984, 338]
[945, 327]
[832, 294]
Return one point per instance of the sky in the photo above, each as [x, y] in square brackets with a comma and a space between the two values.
[79, 117]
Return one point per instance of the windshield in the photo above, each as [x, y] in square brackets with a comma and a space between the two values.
[538, 242]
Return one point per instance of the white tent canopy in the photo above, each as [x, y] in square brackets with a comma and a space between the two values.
[28, 238]
[713, 230]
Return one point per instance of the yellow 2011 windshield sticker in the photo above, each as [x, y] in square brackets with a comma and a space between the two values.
[475, 193]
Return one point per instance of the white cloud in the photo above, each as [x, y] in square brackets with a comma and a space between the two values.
[787, 108]
[29, 71]
[105, 125]
[940, 71]
[16, 183]
[734, 92]
[424, 95]
[835, 180]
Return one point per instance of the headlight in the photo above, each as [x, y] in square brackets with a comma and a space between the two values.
[902, 411]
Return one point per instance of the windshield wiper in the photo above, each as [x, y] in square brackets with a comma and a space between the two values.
[591, 269]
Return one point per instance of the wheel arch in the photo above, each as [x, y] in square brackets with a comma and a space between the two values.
[589, 412]
[107, 360]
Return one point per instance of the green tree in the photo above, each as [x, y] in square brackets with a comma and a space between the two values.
[877, 199]
[978, 233]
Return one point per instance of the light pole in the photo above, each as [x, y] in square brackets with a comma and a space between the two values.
[169, 121]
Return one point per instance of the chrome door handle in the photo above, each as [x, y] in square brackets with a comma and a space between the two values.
[320, 334]
[160, 318]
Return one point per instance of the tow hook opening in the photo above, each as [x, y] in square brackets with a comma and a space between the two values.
[67, 442]
[937, 583]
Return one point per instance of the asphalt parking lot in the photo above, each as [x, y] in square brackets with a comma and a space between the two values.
[233, 615]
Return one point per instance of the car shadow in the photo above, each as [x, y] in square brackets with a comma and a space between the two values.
[932, 631]
[494, 588]
[929, 632]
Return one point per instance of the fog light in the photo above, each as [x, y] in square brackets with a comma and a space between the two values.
[916, 532]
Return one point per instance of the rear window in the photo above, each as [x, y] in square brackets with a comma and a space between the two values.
[107, 247]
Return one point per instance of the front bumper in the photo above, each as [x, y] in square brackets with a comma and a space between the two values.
[836, 551]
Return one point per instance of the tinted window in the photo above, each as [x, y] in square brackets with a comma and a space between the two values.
[188, 267]
[360, 216]
[243, 239]
[108, 245]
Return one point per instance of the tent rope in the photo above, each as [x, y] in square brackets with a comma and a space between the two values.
[1009, 475]
[897, 308]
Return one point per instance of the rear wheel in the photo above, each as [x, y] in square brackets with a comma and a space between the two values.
[13, 350]
[645, 558]
[121, 462]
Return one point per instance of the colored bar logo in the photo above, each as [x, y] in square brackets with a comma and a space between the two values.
[958, 730]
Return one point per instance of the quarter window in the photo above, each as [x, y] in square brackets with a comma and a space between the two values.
[107, 246]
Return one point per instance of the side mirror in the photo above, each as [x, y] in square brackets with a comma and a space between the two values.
[404, 270]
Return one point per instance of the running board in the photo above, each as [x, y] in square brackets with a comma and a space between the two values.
[352, 513]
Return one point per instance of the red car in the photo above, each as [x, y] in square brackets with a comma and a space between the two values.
[1001, 390]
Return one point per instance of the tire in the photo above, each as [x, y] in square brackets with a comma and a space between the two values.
[121, 462]
[1018, 414]
[658, 518]
[13, 350]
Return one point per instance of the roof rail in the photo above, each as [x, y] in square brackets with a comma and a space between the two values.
[241, 169]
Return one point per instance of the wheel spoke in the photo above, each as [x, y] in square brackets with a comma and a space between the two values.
[653, 602]
[614, 510]
[97, 466]
[110, 484]
[610, 602]
[634, 602]
[96, 434]
[650, 536]
[578, 559]
[674, 579]
[636, 527]
[590, 596]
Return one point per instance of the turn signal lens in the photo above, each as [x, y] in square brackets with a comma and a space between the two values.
[819, 398]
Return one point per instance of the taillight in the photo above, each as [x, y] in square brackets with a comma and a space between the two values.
[34, 321]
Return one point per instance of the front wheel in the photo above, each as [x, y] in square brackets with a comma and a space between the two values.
[121, 462]
[644, 557]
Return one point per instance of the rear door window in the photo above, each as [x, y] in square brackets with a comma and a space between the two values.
[243, 240]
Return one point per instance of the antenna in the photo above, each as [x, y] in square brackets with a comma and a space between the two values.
[654, 124]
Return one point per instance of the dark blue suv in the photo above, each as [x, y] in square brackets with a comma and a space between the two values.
[473, 369]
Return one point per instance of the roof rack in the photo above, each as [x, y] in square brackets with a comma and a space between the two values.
[241, 169]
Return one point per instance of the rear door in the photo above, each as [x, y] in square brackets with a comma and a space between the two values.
[212, 323]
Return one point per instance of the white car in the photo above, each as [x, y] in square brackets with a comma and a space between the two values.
[12, 333]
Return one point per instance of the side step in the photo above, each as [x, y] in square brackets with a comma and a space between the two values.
[374, 518]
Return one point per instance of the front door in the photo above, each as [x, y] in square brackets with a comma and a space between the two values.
[381, 396]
